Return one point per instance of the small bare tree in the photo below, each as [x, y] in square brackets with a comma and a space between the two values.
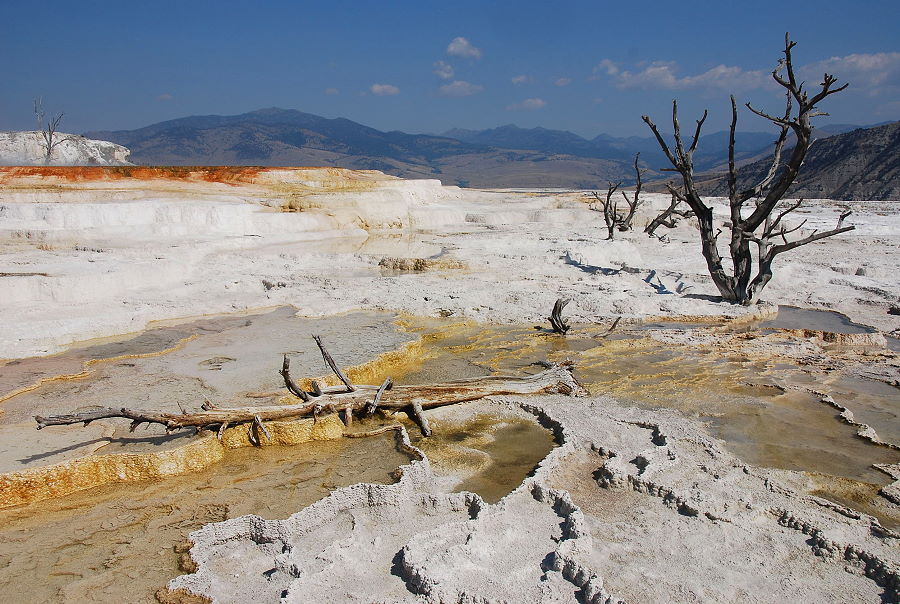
[611, 215]
[48, 129]
[608, 207]
[760, 227]
[669, 217]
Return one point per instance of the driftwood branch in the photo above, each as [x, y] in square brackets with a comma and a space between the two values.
[289, 383]
[557, 379]
[414, 411]
[371, 407]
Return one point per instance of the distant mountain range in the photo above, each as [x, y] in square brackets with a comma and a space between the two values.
[279, 137]
[507, 156]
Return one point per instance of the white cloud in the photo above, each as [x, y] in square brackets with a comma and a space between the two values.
[460, 47]
[521, 79]
[663, 75]
[606, 66]
[443, 70]
[527, 105]
[459, 88]
[331, 91]
[871, 72]
[384, 90]
[165, 97]
[562, 82]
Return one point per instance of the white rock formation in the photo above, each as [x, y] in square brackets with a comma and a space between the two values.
[29, 149]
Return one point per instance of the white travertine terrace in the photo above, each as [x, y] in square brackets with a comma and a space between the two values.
[29, 149]
[634, 505]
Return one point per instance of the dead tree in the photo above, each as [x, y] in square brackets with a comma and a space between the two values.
[614, 219]
[669, 217]
[49, 136]
[760, 227]
[347, 399]
[608, 207]
[626, 222]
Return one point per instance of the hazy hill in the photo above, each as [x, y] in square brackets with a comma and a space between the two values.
[507, 156]
[863, 164]
[278, 137]
[711, 152]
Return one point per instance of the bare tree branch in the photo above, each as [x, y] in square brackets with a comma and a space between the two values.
[334, 367]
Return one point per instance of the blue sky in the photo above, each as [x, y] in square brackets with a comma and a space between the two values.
[420, 66]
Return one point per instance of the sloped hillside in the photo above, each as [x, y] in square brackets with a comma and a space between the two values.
[863, 164]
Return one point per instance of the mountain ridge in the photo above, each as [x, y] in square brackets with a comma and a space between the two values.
[505, 156]
[862, 164]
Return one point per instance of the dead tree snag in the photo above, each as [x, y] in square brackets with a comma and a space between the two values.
[614, 219]
[740, 285]
[50, 138]
[556, 320]
[609, 208]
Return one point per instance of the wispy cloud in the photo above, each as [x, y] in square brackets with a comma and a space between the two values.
[521, 79]
[384, 90]
[664, 75]
[165, 97]
[874, 72]
[606, 66]
[527, 105]
[331, 91]
[461, 47]
[443, 70]
[459, 88]
[562, 82]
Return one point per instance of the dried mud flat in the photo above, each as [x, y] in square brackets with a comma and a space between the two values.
[725, 462]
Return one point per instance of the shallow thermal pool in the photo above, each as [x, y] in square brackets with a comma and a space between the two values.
[115, 542]
[760, 408]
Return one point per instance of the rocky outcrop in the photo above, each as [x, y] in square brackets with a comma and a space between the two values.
[29, 149]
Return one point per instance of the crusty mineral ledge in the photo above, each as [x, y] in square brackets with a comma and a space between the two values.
[633, 506]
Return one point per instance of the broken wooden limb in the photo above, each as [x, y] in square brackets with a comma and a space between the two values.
[257, 428]
[289, 382]
[556, 320]
[415, 413]
[348, 416]
[334, 367]
[370, 408]
[613, 326]
[557, 379]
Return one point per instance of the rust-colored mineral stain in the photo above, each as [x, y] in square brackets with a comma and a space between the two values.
[221, 174]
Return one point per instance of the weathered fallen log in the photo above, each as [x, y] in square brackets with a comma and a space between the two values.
[556, 379]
